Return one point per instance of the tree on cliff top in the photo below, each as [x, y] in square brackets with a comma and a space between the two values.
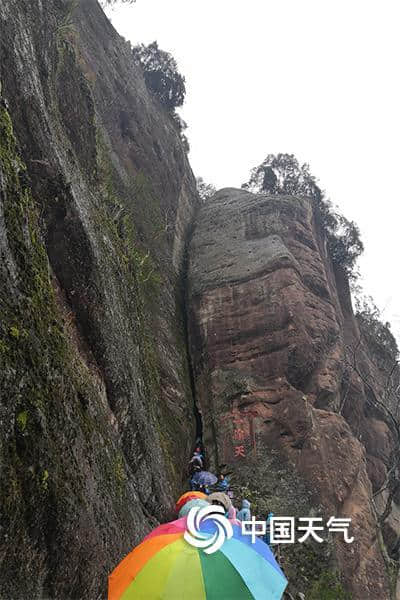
[376, 332]
[112, 2]
[282, 174]
[205, 190]
[161, 74]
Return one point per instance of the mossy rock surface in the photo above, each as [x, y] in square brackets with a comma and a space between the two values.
[96, 410]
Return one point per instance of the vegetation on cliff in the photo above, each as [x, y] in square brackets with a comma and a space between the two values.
[113, 2]
[40, 371]
[164, 81]
[376, 332]
[282, 174]
[205, 190]
[161, 74]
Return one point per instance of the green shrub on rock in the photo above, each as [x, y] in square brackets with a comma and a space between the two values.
[161, 74]
[328, 587]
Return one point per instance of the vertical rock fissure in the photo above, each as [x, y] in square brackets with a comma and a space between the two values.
[184, 293]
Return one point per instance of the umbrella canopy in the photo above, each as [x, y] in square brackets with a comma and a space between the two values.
[188, 496]
[189, 505]
[165, 566]
[204, 478]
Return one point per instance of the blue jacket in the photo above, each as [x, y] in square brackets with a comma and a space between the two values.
[244, 513]
[223, 485]
[267, 537]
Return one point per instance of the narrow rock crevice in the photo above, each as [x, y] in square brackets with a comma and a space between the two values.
[185, 311]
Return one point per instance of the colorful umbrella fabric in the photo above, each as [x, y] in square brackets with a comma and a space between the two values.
[186, 508]
[188, 496]
[166, 567]
[204, 478]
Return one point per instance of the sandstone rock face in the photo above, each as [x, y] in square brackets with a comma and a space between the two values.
[96, 411]
[269, 325]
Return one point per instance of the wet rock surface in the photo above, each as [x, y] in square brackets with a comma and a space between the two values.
[96, 411]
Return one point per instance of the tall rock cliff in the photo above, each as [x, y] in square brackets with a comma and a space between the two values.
[96, 195]
[284, 405]
[100, 235]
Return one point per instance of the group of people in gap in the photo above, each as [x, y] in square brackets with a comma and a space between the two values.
[217, 488]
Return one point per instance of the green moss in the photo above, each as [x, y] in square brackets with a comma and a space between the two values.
[147, 211]
[115, 472]
[328, 587]
[66, 26]
[119, 468]
[34, 338]
[22, 419]
[44, 479]
[136, 263]
[3, 347]
[126, 207]
[40, 368]
[131, 216]
[51, 395]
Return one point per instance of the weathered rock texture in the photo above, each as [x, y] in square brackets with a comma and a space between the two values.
[97, 201]
[270, 322]
[96, 195]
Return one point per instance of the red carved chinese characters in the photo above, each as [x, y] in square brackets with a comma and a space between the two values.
[243, 429]
[239, 451]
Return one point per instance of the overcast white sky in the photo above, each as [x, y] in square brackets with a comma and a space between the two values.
[318, 79]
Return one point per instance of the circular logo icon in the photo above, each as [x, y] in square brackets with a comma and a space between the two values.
[209, 542]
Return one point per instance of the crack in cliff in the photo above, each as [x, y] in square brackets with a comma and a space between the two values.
[185, 312]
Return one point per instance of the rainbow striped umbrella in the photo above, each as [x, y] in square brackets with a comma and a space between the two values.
[188, 496]
[166, 567]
